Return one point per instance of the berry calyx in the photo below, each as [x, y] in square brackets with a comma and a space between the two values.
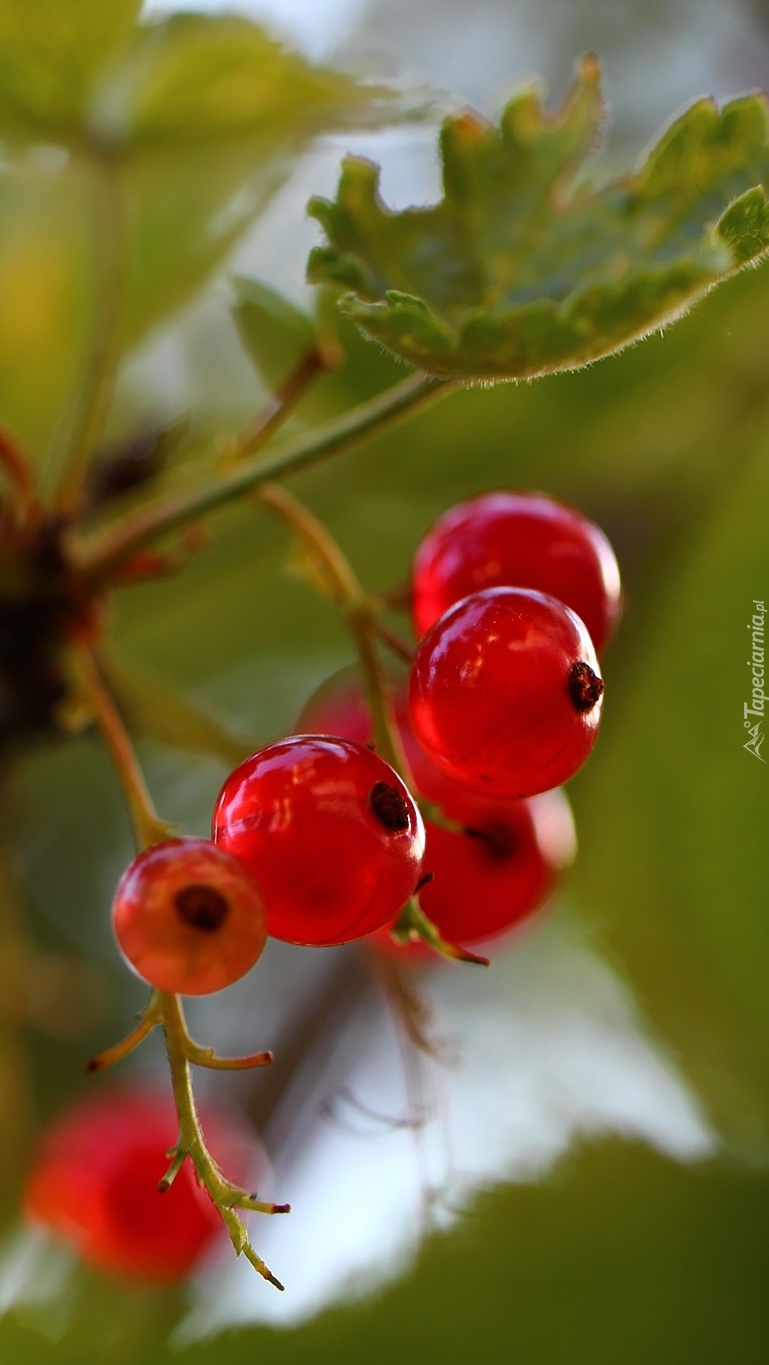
[94, 1184]
[331, 833]
[514, 539]
[492, 693]
[188, 917]
[585, 687]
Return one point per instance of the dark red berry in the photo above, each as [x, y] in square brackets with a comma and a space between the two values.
[517, 540]
[331, 833]
[188, 917]
[94, 1183]
[491, 693]
[500, 869]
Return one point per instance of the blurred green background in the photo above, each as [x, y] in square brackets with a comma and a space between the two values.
[602, 1246]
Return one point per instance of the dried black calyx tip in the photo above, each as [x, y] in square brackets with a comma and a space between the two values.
[585, 686]
[390, 807]
[202, 907]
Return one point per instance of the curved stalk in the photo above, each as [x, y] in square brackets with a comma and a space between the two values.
[343, 586]
[97, 558]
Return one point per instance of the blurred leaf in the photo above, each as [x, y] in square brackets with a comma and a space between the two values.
[45, 261]
[673, 862]
[649, 1261]
[84, 69]
[185, 213]
[191, 123]
[274, 332]
[201, 77]
[209, 111]
[52, 56]
[514, 273]
[157, 709]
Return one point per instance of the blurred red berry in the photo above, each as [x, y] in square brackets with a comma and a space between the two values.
[94, 1177]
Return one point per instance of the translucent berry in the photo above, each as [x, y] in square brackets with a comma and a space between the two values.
[523, 540]
[338, 707]
[505, 694]
[188, 917]
[94, 1183]
[331, 833]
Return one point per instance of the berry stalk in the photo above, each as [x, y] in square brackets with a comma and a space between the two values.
[342, 584]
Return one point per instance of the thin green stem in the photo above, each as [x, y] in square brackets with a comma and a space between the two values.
[99, 556]
[400, 648]
[148, 828]
[150, 1017]
[341, 582]
[82, 425]
[255, 436]
[413, 923]
[226, 1197]
[206, 1057]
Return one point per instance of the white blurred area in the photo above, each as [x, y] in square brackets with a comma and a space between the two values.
[540, 1052]
[316, 27]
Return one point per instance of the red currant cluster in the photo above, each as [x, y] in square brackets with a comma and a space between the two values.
[316, 840]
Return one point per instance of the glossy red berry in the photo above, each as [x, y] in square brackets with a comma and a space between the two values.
[505, 694]
[188, 917]
[94, 1183]
[485, 880]
[523, 540]
[331, 833]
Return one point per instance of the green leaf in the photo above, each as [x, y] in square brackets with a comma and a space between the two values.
[277, 334]
[74, 71]
[200, 78]
[516, 273]
[53, 54]
[193, 119]
[208, 112]
[274, 332]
